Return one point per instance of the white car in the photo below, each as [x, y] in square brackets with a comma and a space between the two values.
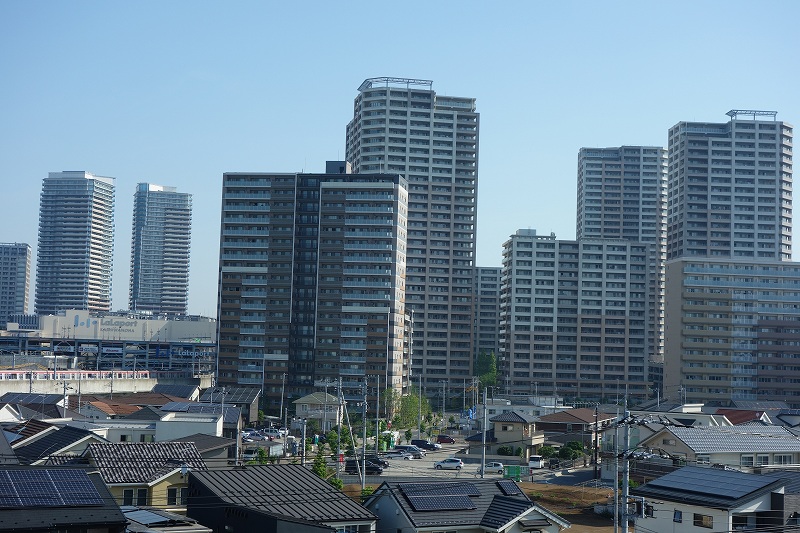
[450, 463]
[272, 433]
[491, 468]
[399, 455]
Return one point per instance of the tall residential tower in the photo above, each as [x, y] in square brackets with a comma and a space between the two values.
[15, 278]
[402, 125]
[76, 242]
[162, 226]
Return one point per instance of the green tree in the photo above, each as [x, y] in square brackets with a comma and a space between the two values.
[366, 492]
[408, 435]
[336, 482]
[505, 450]
[320, 466]
[486, 369]
[333, 440]
[547, 452]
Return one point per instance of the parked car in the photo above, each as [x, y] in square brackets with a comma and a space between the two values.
[425, 445]
[445, 439]
[398, 454]
[272, 433]
[450, 463]
[417, 453]
[380, 461]
[491, 468]
[351, 466]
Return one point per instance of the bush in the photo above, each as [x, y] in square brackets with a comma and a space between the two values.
[547, 452]
[505, 450]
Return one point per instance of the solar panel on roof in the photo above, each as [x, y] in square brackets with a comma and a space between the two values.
[47, 488]
[508, 487]
[444, 502]
[709, 481]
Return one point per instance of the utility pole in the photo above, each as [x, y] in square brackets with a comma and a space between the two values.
[616, 476]
[625, 467]
[596, 431]
[419, 417]
[303, 444]
[483, 435]
[364, 441]
[338, 427]
[377, 415]
[283, 389]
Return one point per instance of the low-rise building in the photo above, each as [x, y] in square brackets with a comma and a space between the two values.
[321, 407]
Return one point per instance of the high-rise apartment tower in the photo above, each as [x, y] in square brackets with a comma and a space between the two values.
[402, 125]
[15, 278]
[311, 283]
[162, 226]
[76, 243]
[730, 188]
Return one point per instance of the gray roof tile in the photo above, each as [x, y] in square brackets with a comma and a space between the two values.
[142, 462]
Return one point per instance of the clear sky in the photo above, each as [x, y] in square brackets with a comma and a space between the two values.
[178, 92]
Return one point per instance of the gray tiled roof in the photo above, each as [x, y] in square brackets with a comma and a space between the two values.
[503, 510]
[142, 462]
[512, 416]
[284, 490]
[737, 439]
[205, 442]
[53, 443]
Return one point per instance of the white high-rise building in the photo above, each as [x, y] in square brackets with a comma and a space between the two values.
[622, 195]
[76, 243]
[162, 226]
[15, 278]
[403, 126]
[730, 188]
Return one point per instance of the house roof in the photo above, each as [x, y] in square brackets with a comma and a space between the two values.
[115, 409]
[142, 462]
[141, 399]
[790, 477]
[147, 412]
[147, 520]
[283, 490]
[713, 439]
[62, 497]
[580, 415]
[740, 416]
[7, 455]
[29, 428]
[512, 416]
[31, 398]
[181, 391]
[231, 414]
[478, 437]
[205, 442]
[456, 503]
[53, 443]
[318, 398]
[708, 487]
[237, 395]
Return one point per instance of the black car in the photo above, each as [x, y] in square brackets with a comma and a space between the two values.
[380, 461]
[425, 445]
[351, 466]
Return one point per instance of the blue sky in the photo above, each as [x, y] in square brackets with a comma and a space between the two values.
[176, 93]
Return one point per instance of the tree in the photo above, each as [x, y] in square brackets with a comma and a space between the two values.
[408, 435]
[486, 369]
[547, 452]
[320, 466]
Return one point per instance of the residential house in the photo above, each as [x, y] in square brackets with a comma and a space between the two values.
[479, 506]
[54, 446]
[56, 499]
[273, 498]
[695, 499]
[791, 507]
[321, 407]
[152, 520]
[232, 422]
[512, 430]
[578, 424]
[533, 406]
[98, 410]
[190, 393]
[152, 474]
[245, 398]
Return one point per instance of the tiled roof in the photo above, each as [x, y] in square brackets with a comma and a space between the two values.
[792, 479]
[318, 398]
[715, 439]
[29, 428]
[205, 442]
[512, 416]
[503, 510]
[53, 443]
[481, 493]
[146, 413]
[141, 399]
[287, 490]
[477, 437]
[114, 409]
[708, 487]
[739, 416]
[182, 391]
[142, 462]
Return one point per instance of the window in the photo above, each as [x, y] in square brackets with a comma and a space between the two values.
[746, 460]
[762, 459]
[703, 459]
[783, 459]
[127, 497]
[177, 495]
[703, 520]
[141, 497]
[677, 516]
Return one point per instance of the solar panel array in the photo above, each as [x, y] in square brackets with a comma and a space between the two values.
[463, 488]
[444, 502]
[508, 487]
[181, 391]
[47, 488]
[721, 483]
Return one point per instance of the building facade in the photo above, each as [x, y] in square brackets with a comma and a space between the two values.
[15, 279]
[733, 330]
[730, 188]
[622, 195]
[162, 225]
[312, 282]
[573, 317]
[402, 125]
[487, 310]
[76, 243]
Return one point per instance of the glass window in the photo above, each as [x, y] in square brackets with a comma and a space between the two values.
[141, 496]
[127, 497]
[703, 520]
[677, 516]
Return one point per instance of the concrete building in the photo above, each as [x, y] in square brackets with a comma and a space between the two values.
[76, 242]
[312, 282]
[622, 195]
[487, 310]
[15, 279]
[730, 188]
[402, 125]
[162, 225]
[732, 329]
[573, 317]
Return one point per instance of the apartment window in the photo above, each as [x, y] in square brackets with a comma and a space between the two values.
[177, 495]
[746, 460]
[703, 520]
